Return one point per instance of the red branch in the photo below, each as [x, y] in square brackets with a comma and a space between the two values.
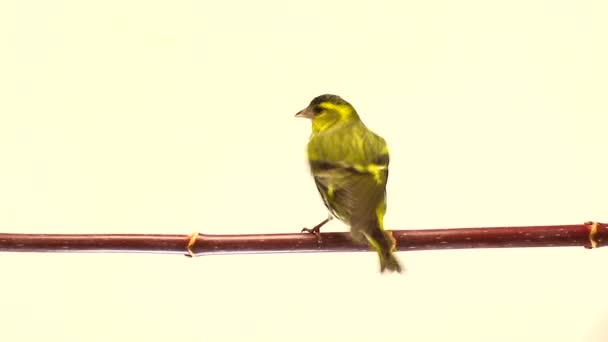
[589, 235]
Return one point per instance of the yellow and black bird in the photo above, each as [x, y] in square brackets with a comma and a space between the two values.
[349, 164]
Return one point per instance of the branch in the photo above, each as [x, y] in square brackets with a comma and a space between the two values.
[589, 235]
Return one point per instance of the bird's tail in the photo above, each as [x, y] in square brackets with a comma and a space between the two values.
[384, 243]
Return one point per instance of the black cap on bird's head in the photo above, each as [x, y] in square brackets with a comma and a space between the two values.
[335, 99]
[324, 103]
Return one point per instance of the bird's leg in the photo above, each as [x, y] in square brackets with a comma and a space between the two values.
[317, 229]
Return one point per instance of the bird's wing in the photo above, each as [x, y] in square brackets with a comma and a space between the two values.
[352, 192]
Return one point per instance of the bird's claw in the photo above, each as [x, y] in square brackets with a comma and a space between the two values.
[316, 231]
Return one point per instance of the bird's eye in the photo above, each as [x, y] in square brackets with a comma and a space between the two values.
[317, 110]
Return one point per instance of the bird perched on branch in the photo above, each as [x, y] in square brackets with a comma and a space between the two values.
[349, 164]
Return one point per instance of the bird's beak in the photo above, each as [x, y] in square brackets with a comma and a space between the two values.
[305, 113]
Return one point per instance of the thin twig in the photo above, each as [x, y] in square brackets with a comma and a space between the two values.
[589, 235]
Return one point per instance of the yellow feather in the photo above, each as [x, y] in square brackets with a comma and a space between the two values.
[375, 170]
[343, 109]
[330, 190]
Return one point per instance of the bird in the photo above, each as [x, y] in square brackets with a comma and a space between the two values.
[349, 164]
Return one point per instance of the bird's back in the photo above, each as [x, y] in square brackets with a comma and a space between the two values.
[352, 143]
[350, 166]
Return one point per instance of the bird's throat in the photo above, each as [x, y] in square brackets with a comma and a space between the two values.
[320, 125]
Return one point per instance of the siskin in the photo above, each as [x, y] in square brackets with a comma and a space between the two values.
[349, 164]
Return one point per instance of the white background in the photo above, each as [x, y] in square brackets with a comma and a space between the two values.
[174, 117]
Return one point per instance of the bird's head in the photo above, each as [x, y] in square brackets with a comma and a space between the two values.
[326, 111]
